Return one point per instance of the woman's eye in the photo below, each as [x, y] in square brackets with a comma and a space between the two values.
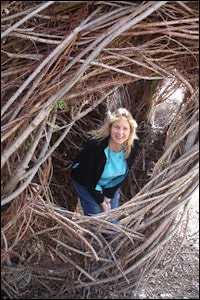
[124, 128]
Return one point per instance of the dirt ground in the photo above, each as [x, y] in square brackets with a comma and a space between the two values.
[180, 279]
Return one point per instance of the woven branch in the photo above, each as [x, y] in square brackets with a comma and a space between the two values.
[64, 64]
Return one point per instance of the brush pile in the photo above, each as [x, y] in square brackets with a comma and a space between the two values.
[64, 64]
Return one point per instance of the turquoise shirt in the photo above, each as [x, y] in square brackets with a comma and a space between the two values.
[114, 171]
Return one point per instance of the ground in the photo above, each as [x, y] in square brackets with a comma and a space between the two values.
[180, 279]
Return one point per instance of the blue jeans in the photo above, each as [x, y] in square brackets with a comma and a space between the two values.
[88, 203]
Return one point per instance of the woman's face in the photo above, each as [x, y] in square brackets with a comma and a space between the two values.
[120, 131]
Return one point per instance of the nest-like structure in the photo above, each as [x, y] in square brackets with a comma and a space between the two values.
[64, 64]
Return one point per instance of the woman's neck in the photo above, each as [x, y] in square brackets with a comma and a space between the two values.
[115, 147]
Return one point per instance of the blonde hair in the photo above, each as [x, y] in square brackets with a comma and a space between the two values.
[104, 130]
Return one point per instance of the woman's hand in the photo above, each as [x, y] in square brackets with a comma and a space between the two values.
[106, 204]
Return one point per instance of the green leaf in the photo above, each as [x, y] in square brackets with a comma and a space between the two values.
[60, 104]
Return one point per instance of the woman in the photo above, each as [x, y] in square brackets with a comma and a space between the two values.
[102, 166]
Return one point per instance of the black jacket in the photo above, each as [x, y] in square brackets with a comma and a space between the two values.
[92, 160]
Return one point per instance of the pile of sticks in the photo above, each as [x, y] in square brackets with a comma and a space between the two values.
[63, 63]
